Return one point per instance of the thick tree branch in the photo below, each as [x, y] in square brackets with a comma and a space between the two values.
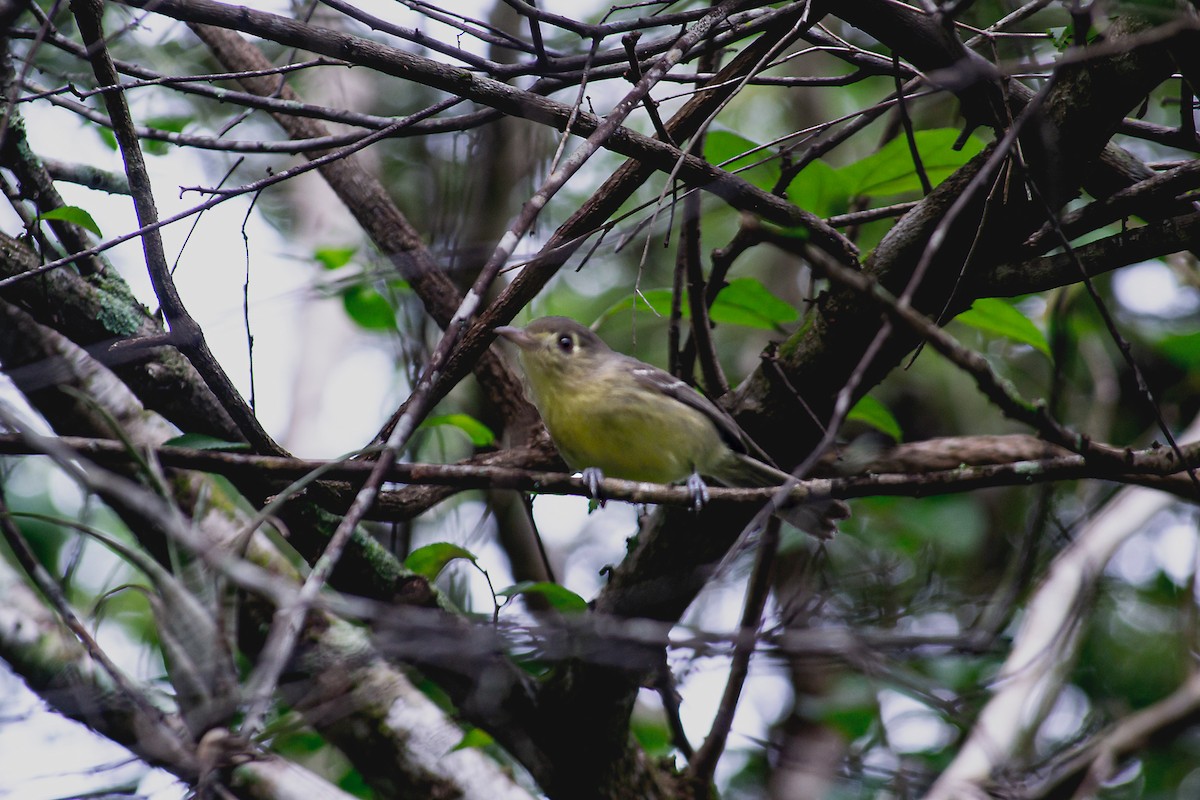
[1153, 240]
[918, 469]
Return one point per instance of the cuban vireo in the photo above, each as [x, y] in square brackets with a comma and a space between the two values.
[610, 414]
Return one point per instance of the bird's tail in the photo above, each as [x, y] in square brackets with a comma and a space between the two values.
[818, 518]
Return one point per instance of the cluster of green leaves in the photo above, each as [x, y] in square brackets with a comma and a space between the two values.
[827, 190]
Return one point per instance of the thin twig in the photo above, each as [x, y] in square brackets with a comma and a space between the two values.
[704, 764]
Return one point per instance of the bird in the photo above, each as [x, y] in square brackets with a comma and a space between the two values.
[610, 414]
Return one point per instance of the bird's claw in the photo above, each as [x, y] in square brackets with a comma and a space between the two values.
[591, 480]
[699, 491]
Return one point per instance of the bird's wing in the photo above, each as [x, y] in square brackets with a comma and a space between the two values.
[666, 383]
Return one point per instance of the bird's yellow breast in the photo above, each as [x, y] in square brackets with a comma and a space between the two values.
[626, 437]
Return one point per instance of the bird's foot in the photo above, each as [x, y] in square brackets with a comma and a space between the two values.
[591, 479]
[699, 491]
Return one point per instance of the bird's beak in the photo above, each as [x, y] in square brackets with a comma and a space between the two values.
[517, 336]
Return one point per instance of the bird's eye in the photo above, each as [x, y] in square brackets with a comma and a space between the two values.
[566, 343]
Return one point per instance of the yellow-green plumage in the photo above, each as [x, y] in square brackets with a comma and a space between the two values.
[611, 413]
[622, 434]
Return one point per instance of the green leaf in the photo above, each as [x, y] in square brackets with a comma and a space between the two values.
[870, 411]
[334, 257]
[1182, 349]
[202, 441]
[107, 136]
[480, 435]
[652, 734]
[369, 308]
[1060, 37]
[157, 147]
[726, 149]
[992, 315]
[821, 190]
[954, 525]
[657, 300]
[890, 170]
[76, 215]
[474, 738]
[559, 597]
[298, 742]
[430, 560]
[826, 191]
[170, 124]
[745, 301]
[852, 722]
[849, 705]
[1063, 38]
